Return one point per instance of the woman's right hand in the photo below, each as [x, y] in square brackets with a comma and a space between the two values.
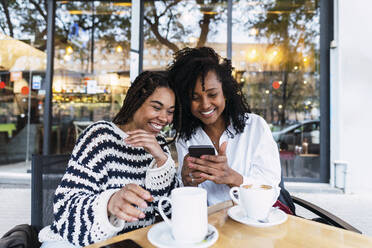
[142, 138]
[190, 177]
[121, 203]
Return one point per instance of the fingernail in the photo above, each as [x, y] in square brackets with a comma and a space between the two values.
[142, 215]
[143, 205]
[134, 219]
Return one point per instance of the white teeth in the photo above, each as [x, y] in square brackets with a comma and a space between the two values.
[207, 113]
[156, 126]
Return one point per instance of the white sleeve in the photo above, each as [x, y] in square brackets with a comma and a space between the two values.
[182, 151]
[265, 163]
[159, 178]
[110, 225]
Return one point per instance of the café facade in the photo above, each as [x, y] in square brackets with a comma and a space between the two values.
[74, 66]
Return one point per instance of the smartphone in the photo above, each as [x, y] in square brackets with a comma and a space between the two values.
[197, 151]
[126, 243]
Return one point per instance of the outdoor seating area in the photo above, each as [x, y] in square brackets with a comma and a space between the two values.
[48, 170]
[188, 123]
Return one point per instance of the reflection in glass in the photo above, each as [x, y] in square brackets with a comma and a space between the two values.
[276, 59]
[21, 72]
[275, 53]
[173, 25]
[91, 73]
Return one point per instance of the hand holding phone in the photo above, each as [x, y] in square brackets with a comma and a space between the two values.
[197, 151]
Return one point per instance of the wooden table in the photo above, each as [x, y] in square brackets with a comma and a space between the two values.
[295, 232]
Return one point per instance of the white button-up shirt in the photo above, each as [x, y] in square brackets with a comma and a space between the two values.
[252, 153]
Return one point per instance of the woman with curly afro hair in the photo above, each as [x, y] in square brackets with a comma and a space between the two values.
[212, 110]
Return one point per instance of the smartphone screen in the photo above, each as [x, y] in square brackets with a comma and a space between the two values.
[197, 151]
[127, 243]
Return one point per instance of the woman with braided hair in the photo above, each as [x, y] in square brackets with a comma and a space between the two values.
[117, 171]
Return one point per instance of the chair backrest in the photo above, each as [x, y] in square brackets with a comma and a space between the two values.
[80, 126]
[285, 197]
[47, 172]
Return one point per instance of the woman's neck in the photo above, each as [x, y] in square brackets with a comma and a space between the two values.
[215, 130]
[126, 127]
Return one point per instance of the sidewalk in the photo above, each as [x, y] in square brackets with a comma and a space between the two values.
[16, 174]
[15, 196]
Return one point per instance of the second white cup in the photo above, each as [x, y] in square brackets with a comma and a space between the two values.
[189, 222]
[256, 200]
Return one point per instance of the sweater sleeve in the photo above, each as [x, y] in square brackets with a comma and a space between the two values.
[80, 203]
[161, 180]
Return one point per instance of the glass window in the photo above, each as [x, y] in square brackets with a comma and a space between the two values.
[279, 41]
[22, 73]
[171, 26]
[91, 73]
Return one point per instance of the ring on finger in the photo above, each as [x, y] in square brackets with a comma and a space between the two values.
[190, 175]
[192, 180]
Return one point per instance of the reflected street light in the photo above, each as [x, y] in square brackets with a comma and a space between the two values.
[69, 50]
[119, 49]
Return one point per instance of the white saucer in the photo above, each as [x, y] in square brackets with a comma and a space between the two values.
[160, 235]
[276, 217]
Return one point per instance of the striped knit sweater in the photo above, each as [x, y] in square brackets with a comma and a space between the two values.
[102, 163]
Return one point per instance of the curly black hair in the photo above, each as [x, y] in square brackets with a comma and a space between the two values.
[188, 65]
[143, 86]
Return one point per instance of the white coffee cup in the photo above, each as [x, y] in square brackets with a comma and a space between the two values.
[255, 199]
[189, 222]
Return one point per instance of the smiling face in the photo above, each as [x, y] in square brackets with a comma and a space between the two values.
[155, 113]
[207, 105]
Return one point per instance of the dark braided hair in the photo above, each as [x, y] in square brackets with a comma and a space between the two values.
[188, 65]
[143, 86]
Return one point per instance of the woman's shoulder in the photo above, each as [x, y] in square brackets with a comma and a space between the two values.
[100, 128]
[252, 118]
[196, 136]
[100, 123]
[254, 121]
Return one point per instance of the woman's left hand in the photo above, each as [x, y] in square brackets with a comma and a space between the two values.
[141, 138]
[215, 168]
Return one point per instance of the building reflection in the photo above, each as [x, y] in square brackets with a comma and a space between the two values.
[277, 68]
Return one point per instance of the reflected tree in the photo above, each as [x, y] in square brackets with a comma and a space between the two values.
[6, 23]
[290, 28]
[171, 23]
[22, 19]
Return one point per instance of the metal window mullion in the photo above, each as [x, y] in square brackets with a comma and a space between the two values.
[229, 29]
[49, 77]
[326, 35]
